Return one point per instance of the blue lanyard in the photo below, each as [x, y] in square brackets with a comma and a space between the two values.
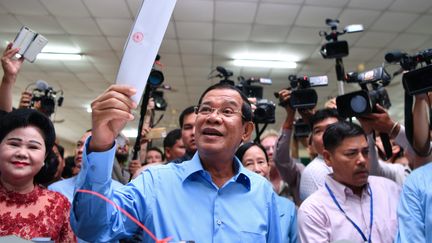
[349, 219]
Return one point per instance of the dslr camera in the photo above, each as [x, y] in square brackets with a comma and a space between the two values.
[363, 102]
[303, 96]
[415, 81]
[155, 79]
[265, 109]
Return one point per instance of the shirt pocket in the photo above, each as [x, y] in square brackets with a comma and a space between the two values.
[249, 237]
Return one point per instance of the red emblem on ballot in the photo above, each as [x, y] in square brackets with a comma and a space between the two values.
[138, 37]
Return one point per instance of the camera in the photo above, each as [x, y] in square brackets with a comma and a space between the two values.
[155, 80]
[301, 129]
[335, 48]
[265, 109]
[416, 81]
[47, 97]
[363, 102]
[303, 96]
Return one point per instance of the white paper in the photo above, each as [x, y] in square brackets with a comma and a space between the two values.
[143, 44]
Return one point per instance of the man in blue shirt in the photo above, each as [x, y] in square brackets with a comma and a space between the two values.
[210, 198]
[415, 207]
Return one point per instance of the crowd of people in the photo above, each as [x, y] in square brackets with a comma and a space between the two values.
[210, 182]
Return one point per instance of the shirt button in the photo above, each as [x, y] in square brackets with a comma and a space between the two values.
[218, 222]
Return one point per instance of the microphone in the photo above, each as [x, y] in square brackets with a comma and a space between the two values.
[42, 85]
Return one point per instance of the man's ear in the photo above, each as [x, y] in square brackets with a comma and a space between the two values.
[327, 157]
[247, 133]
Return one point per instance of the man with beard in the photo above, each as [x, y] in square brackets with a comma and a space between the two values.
[120, 172]
[351, 205]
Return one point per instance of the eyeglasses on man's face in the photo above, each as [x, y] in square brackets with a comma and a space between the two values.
[227, 112]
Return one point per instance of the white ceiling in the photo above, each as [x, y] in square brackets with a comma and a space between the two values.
[203, 34]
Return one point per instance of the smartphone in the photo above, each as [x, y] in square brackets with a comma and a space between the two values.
[23, 39]
[156, 132]
[35, 48]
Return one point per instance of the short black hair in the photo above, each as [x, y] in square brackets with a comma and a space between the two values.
[69, 165]
[171, 138]
[323, 114]
[60, 149]
[246, 107]
[337, 132]
[185, 112]
[20, 118]
[246, 146]
[157, 150]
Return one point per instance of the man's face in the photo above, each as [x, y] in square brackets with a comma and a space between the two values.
[176, 151]
[318, 131]
[350, 161]
[188, 132]
[153, 156]
[79, 149]
[216, 133]
[269, 143]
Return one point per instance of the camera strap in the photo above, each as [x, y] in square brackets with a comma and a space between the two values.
[349, 219]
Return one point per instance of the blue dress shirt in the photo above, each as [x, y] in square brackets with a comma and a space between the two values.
[288, 219]
[415, 207]
[177, 200]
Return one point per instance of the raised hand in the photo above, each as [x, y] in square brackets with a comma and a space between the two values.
[10, 65]
[110, 113]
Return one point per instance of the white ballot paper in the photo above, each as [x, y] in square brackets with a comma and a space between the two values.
[143, 44]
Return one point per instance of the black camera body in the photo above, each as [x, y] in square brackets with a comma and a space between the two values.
[303, 96]
[265, 109]
[363, 102]
[416, 81]
[47, 98]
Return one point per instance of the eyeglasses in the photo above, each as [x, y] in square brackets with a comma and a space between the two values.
[206, 110]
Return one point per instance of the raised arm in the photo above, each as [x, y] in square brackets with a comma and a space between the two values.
[11, 68]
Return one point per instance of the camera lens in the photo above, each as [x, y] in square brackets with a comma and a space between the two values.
[358, 104]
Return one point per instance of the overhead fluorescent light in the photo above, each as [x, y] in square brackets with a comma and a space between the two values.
[130, 133]
[60, 56]
[265, 64]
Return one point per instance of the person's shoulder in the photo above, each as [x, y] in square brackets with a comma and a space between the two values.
[422, 171]
[383, 183]
[62, 183]
[285, 204]
[420, 178]
[315, 201]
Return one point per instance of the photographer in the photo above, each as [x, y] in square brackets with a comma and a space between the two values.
[11, 68]
[289, 170]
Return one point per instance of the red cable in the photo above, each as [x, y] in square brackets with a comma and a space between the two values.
[136, 221]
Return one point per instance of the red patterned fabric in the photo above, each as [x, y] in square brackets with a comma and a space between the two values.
[40, 213]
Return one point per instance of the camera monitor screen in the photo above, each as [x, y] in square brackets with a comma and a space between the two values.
[418, 81]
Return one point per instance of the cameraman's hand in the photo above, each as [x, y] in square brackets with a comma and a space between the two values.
[284, 96]
[253, 102]
[379, 120]
[110, 113]
[10, 65]
[25, 100]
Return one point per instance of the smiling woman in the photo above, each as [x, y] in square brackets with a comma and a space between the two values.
[27, 209]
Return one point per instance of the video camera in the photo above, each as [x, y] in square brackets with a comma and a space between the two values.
[155, 80]
[416, 81]
[47, 97]
[335, 48]
[301, 129]
[363, 102]
[303, 96]
[265, 109]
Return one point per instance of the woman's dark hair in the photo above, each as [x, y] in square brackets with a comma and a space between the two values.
[246, 107]
[69, 166]
[337, 132]
[28, 117]
[246, 146]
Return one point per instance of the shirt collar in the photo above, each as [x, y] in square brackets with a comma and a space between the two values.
[194, 166]
[340, 190]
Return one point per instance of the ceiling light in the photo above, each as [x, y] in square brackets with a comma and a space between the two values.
[130, 133]
[265, 63]
[59, 56]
